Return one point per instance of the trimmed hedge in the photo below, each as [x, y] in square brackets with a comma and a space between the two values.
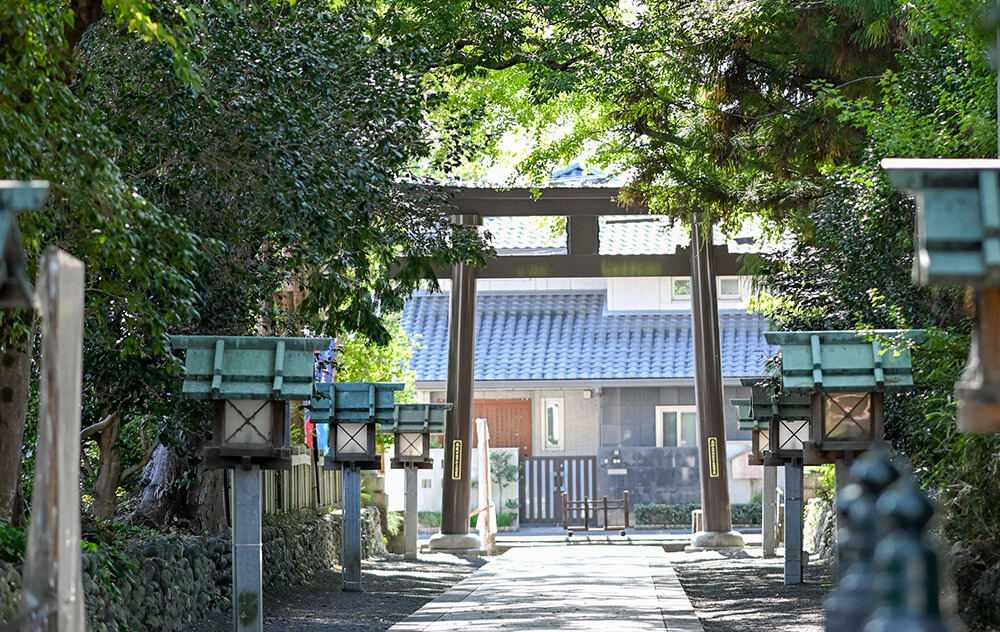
[659, 514]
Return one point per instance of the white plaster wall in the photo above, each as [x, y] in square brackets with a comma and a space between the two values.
[429, 484]
[536, 285]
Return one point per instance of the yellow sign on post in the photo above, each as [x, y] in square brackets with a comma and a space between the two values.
[713, 457]
[456, 460]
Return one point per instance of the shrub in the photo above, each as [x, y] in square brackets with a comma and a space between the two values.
[12, 543]
[680, 514]
[429, 518]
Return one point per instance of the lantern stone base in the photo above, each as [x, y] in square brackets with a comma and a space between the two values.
[462, 543]
[978, 407]
[714, 541]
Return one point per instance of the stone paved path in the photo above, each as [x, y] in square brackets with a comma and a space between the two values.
[605, 587]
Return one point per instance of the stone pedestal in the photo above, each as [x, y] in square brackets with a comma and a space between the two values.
[410, 522]
[351, 538]
[459, 543]
[714, 541]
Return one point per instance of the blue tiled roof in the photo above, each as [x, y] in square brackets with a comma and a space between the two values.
[571, 336]
[620, 235]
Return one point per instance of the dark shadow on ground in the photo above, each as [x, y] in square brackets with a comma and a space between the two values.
[393, 589]
[748, 594]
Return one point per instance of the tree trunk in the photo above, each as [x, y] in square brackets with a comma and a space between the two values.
[164, 501]
[106, 485]
[15, 385]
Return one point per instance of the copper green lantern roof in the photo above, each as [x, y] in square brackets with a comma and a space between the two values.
[416, 418]
[359, 402]
[249, 367]
[845, 361]
[744, 421]
[15, 288]
[765, 406]
[958, 218]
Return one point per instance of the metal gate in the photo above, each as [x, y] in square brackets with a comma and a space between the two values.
[543, 480]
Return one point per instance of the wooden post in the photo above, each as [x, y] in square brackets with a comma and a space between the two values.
[977, 392]
[248, 600]
[841, 476]
[625, 502]
[53, 589]
[717, 527]
[456, 488]
[565, 511]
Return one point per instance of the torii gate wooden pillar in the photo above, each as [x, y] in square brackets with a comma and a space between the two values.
[581, 206]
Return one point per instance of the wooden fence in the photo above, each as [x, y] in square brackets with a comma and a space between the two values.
[296, 489]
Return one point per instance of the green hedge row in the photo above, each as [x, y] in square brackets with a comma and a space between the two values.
[662, 514]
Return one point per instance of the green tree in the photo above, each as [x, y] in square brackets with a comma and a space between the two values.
[502, 473]
[228, 155]
[291, 163]
[139, 260]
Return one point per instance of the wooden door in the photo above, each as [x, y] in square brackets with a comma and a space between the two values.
[509, 421]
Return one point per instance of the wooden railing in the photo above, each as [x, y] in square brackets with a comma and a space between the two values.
[296, 489]
[589, 506]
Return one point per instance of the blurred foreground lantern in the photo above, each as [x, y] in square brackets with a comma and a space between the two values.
[353, 410]
[958, 243]
[250, 380]
[15, 288]
[845, 373]
[412, 426]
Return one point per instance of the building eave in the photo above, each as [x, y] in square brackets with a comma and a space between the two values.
[487, 385]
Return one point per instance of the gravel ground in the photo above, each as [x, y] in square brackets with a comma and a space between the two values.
[393, 589]
[742, 593]
[747, 593]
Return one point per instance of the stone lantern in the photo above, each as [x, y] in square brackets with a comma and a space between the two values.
[412, 426]
[15, 288]
[845, 373]
[354, 410]
[958, 243]
[250, 381]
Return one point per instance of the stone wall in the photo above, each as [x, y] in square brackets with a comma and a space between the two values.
[169, 582]
[819, 529]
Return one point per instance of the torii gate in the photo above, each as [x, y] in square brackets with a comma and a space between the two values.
[581, 206]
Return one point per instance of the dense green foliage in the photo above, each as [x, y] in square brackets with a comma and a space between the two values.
[235, 168]
[292, 159]
[12, 543]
